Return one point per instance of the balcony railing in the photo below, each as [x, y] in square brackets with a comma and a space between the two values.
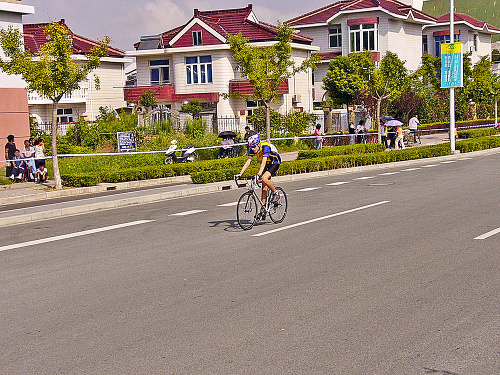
[79, 95]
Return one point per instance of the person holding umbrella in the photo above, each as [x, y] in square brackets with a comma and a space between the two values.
[394, 135]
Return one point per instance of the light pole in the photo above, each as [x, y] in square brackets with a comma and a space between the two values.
[452, 89]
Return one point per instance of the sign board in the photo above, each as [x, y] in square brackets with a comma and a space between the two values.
[126, 141]
[451, 65]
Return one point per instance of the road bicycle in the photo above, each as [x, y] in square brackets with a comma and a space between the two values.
[249, 209]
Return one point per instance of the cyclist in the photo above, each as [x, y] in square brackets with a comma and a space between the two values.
[271, 161]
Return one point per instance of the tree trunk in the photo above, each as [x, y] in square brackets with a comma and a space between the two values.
[55, 163]
[268, 122]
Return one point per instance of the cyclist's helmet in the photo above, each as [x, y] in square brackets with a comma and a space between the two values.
[254, 140]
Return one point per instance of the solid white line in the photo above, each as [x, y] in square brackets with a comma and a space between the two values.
[319, 218]
[489, 234]
[388, 173]
[338, 183]
[363, 178]
[72, 235]
[410, 169]
[187, 213]
[228, 204]
[309, 189]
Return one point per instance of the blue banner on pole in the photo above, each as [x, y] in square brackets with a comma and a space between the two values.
[451, 65]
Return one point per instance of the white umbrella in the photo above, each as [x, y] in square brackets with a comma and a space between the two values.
[393, 123]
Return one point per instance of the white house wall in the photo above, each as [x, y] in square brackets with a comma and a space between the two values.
[404, 39]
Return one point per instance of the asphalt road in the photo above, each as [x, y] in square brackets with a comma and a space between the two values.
[393, 271]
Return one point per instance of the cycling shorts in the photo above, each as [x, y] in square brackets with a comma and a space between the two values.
[271, 168]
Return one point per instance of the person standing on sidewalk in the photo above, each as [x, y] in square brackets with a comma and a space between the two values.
[10, 151]
[413, 126]
[319, 138]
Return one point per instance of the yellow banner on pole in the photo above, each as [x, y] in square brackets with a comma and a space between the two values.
[451, 48]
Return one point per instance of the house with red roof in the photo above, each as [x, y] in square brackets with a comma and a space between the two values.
[350, 26]
[14, 116]
[193, 61]
[85, 101]
[475, 35]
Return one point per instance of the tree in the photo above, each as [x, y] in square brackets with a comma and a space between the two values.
[148, 100]
[347, 78]
[387, 82]
[51, 73]
[193, 107]
[268, 67]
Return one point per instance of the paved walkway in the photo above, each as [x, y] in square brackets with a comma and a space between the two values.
[29, 201]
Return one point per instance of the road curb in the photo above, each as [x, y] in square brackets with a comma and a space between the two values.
[26, 216]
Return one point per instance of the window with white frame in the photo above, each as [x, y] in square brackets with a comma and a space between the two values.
[198, 69]
[159, 72]
[64, 115]
[335, 37]
[197, 40]
[475, 40]
[363, 37]
[439, 39]
[425, 44]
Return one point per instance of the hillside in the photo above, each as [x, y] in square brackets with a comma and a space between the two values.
[484, 10]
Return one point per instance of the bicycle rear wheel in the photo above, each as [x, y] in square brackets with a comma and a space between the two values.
[278, 210]
[246, 211]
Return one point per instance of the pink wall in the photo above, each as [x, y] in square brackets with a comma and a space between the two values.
[14, 116]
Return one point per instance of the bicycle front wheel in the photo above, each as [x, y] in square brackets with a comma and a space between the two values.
[246, 211]
[278, 210]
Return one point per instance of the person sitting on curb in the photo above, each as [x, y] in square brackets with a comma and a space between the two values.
[41, 174]
[18, 166]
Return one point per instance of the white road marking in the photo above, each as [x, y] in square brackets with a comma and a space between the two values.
[388, 173]
[338, 183]
[319, 218]
[363, 178]
[489, 234]
[72, 235]
[309, 189]
[228, 204]
[410, 169]
[429, 165]
[448, 161]
[187, 213]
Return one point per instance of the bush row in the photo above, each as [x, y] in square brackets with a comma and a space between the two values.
[477, 133]
[224, 169]
[341, 150]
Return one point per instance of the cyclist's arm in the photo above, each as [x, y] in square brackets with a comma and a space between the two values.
[245, 166]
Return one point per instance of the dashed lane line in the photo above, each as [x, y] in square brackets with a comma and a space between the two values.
[185, 213]
[489, 234]
[338, 183]
[448, 161]
[228, 204]
[72, 235]
[388, 173]
[409, 169]
[429, 165]
[363, 178]
[319, 218]
[309, 189]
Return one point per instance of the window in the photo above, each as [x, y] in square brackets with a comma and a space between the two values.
[251, 105]
[199, 69]
[197, 41]
[475, 42]
[62, 115]
[335, 37]
[159, 72]
[438, 39]
[425, 44]
[363, 37]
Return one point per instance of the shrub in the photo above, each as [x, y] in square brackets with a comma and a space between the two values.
[341, 150]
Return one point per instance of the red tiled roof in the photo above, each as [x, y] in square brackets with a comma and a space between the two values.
[35, 36]
[322, 15]
[231, 22]
[458, 17]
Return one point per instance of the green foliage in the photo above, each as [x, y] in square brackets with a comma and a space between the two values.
[148, 99]
[293, 124]
[342, 150]
[193, 108]
[83, 134]
[477, 133]
[195, 128]
[347, 77]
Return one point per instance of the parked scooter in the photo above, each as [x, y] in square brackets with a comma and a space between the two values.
[188, 154]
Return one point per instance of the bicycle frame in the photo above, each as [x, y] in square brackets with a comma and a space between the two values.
[254, 185]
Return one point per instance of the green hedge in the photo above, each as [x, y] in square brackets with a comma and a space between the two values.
[341, 150]
[477, 133]
[224, 169]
